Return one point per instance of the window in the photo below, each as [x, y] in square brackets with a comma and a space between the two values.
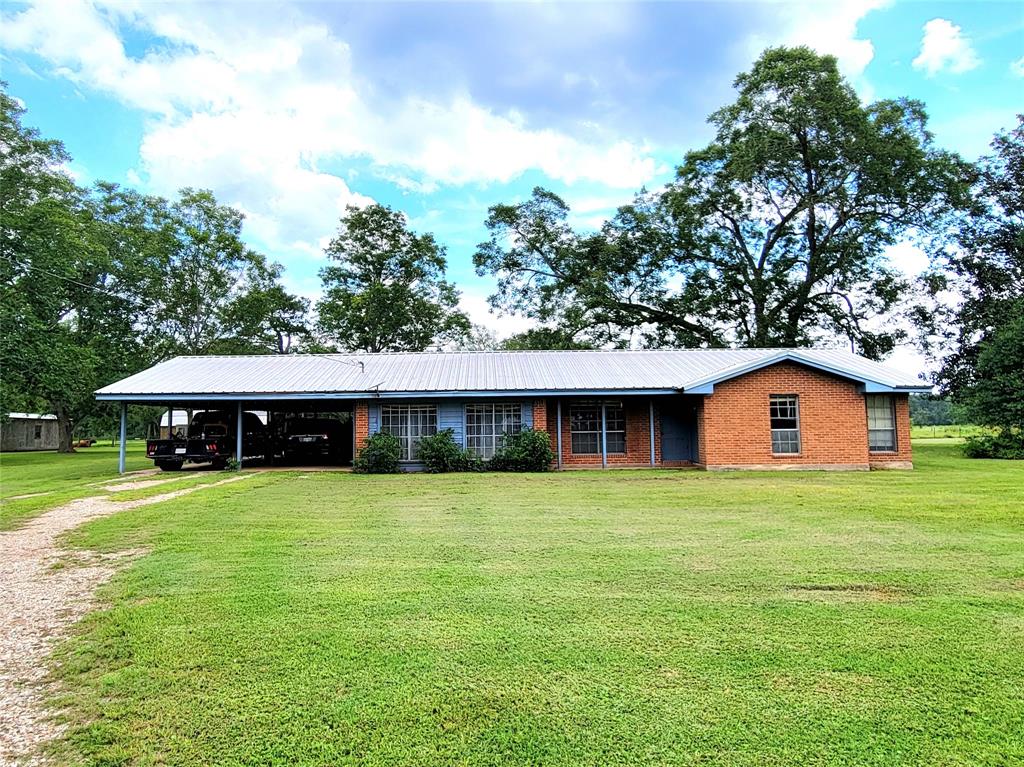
[784, 410]
[38, 431]
[409, 423]
[881, 424]
[585, 427]
[486, 424]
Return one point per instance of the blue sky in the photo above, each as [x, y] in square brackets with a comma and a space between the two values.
[292, 111]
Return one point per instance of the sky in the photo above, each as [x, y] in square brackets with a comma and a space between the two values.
[291, 111]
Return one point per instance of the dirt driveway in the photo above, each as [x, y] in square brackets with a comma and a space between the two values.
[39, 601]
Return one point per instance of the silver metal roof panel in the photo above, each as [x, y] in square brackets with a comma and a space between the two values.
[348, 375]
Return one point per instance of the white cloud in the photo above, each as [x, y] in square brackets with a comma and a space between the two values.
[943, 47]
[261, 107]
[475, 305]
[1017, 67]
[826, 27]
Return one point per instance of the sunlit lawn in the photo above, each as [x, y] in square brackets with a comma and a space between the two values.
[54, 478]
[622, 617]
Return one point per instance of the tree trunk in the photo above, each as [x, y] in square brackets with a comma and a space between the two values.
[63, 430]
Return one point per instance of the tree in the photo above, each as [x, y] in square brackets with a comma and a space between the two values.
[544, 338]
[214, 294]
[772, 235]
[996, 398]
[264, 317]
[983, 269]
[387, 291]
[64, 307]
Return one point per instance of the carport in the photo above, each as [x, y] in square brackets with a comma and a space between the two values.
[276, 384]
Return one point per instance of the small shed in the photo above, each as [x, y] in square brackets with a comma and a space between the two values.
[28, 431]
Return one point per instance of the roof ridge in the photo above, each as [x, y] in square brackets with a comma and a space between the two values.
[452, 352]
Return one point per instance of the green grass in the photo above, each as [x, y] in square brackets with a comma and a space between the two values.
[583, 618]
[56, 478]
[41, 472]
[951, 431]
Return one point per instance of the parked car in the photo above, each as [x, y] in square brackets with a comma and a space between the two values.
[322, 439]
[211, 438]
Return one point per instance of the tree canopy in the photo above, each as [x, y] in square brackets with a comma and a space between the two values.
[977, 335]
[772, 235]
[96, 284]
[387, 290]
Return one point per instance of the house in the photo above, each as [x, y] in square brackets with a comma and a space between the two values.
[28, 431]
[713, 408]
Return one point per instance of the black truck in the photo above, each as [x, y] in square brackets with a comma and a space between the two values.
[211, 438]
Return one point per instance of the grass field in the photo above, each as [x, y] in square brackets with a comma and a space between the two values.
[54, 478]
[583, 618]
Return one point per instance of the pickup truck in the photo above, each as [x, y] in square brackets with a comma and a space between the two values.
[210, 439]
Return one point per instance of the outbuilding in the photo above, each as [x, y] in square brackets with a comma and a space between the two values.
[710, 408]
[28, 431]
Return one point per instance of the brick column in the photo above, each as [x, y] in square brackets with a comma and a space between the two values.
[362, 424]
[540, 415]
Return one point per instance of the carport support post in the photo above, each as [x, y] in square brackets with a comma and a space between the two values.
[651, 405]
[124, 438]
[604, 436]
[238, 435]
[558, 429]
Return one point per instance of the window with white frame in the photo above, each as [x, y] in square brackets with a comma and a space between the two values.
[585, 427]
[784, 411]
[488, 423]
[410, 423]
[881, 423]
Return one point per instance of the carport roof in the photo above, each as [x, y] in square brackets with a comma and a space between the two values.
[342, 376]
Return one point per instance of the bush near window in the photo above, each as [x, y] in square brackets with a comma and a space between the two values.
[379, 455]
[528, 450]
[440, 453]
[1007, 443]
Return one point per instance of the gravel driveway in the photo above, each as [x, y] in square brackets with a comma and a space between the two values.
[38, 602]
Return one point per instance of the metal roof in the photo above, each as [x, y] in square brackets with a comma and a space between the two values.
[32, 417]
[442, 373]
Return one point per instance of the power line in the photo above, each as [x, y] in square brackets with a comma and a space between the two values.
[76, 282]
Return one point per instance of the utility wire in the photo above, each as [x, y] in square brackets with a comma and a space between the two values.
[76, 282]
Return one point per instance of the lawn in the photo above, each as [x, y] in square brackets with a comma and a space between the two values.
[54, 478]
[582, 618]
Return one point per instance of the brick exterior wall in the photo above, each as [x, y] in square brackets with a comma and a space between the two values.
[540, 415]
[638, 437]
[362, 424]
[734, 430]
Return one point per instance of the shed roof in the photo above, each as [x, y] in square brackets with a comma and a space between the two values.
[32, 417]
[481, 373]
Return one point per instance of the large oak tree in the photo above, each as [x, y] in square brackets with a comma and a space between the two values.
[772, 235]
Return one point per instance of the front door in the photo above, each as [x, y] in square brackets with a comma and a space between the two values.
[678, 434]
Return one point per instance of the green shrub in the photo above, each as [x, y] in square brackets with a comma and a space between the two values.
[1007, 444]
[440, 453]
[379, 455]
[528, 450]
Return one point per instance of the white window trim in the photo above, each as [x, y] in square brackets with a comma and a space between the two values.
[892, 416]
[480, 450]
[799, 432]
[408, 446]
